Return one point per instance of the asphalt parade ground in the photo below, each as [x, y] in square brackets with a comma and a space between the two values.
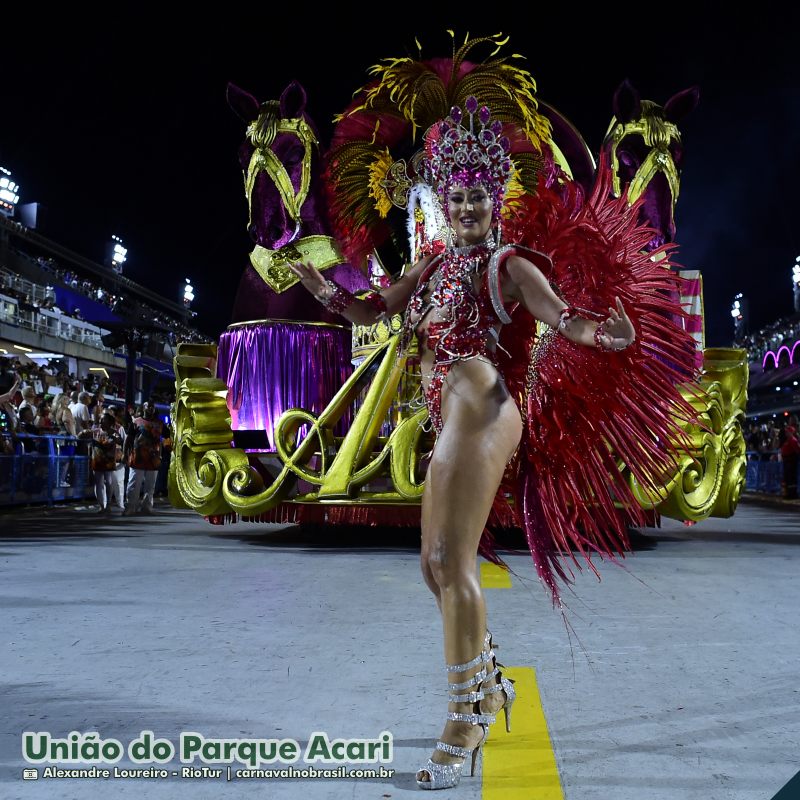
[133, 637]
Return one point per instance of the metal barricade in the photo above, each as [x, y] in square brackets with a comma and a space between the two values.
[764, 472]
[44, 469]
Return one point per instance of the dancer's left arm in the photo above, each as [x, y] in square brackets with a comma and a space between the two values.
[527, 284]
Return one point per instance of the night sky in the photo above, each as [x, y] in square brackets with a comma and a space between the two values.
[125, 129]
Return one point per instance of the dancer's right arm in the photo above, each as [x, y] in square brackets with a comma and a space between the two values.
[361, 312]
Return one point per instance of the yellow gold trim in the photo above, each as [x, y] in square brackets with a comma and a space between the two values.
[287, 321]
[657, 133]
[561, 159]
[273, 265]
[261, 133]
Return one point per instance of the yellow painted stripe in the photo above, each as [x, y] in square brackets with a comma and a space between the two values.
[521, 765]
[494, 577]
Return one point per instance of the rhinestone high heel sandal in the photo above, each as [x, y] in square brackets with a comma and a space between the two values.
[502, 684]
[445, 776]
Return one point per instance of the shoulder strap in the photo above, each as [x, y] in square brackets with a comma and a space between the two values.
[538, 259]
[493, 280]
[428, 271]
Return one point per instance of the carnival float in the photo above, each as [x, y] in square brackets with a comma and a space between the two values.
[297, 417]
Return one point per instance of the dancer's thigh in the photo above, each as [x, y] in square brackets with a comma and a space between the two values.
[481, 430]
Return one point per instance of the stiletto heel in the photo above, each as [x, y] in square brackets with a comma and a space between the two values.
[505, 684]
[445, 776]
[507, 707]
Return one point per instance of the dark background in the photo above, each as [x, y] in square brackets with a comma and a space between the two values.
[120, 126]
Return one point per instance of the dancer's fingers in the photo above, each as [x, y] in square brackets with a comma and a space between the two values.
[315, 273]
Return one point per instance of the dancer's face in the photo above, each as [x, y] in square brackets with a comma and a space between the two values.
[470, 213]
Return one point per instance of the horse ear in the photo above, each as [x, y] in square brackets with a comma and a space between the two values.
[243, 104]
[682, 104]
[293, 101]
[627, 103]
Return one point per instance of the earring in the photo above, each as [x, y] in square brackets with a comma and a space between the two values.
[496, 234]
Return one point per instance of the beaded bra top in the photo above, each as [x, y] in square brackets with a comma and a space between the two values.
[468, 318]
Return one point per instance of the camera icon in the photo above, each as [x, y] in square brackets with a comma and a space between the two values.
[30, 774]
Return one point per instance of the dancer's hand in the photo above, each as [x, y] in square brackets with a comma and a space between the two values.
[619, 331]
[312, 279]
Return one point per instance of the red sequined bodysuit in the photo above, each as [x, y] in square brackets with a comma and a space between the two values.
[464, 322]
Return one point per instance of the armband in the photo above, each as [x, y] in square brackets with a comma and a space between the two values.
[338, 300]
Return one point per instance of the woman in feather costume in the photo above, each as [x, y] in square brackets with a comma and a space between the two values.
[545, 417]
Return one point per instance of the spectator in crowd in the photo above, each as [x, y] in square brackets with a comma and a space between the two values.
[25, 426]
[8, 415]
[28, 400]
[43, 421]
[144, 449]
[162, 482]
[106, 454]
[62, 416]
[7, 397]
[118, 482]
[26, 421]
[790, 450]
[80, 412]
[65, 425]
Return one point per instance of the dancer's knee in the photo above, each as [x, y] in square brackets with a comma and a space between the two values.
[448, 568]
[427, 574]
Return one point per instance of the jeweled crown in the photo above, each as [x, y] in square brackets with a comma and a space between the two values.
[466, 150]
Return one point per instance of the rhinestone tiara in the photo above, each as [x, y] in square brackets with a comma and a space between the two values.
[467, 149]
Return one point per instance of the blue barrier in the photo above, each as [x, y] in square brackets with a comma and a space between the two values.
[41, 467]
[764, 472]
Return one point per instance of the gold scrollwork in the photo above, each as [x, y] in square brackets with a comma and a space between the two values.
[202, 455]
[397, 184]
[213, 478]
[711, 474]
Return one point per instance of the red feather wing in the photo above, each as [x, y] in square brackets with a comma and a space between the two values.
[587, 410]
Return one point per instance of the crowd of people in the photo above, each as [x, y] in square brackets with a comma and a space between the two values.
[128, 448]
[54, 377]
[766, 438]
[776, 440]
[176, 330]
[771, 337]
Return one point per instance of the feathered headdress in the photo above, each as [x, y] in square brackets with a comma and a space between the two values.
[375, 156]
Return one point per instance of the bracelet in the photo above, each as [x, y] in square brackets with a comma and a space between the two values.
[600, 331]
[377, 301]
[566, 315]
[339, 298]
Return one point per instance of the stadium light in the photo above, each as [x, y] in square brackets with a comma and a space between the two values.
[796, 284]
[116, 254]
[739, 314]
[9, 193]
[188, 293]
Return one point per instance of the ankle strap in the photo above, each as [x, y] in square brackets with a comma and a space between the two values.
[490, 675]
[482, 657]
[478, 677]
[472, 697]
[473, 718]
[453, 749]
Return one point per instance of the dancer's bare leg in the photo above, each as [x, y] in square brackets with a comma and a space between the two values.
[482, 428]
[428, 499]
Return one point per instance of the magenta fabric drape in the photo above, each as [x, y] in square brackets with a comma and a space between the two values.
[270, 367]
